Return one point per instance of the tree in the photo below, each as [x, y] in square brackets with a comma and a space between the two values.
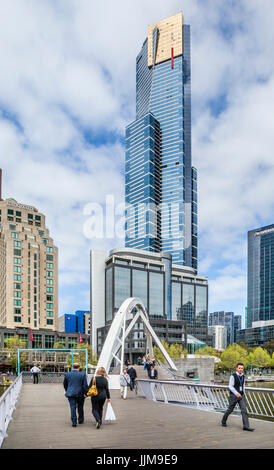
[12, 345]
[59, 345]
[244, 346]
[233, 354]
[269, 346]
[259, 358]
[206, 351]
[81, 355]
[175, 351]
[158, 355]
[184, 352]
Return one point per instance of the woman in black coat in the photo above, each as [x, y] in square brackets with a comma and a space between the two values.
[98, 401]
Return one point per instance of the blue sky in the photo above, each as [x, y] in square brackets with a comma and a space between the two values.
[67, 91]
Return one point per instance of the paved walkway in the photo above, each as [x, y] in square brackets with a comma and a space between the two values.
[42, 421]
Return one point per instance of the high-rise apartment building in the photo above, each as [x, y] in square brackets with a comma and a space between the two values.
[161, 184]
[260, 288]
[28, 269]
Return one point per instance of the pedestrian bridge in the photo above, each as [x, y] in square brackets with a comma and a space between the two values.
[41, 420]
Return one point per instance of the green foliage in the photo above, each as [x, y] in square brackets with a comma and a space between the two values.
[233, 354]
[269, 346]
[12, 345]
[206, 351]
[259, 357]
[173, 350]
[81, 355]
[184, 352]
[59, 345]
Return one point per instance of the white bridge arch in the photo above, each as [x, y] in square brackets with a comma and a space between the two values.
[114, 344]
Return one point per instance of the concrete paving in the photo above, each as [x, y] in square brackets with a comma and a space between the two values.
[41, 420]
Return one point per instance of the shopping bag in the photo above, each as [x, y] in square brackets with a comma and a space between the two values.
[110, 416]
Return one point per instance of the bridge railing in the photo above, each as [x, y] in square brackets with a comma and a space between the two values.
[260, 401]
[7, 405]
[44, 377]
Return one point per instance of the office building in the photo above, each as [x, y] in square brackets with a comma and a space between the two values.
[28, 269]
[237, 325]
[219, 334]
[78, 322]
[259, 333]
[173, 295]
[260, 284]
[161, 184]
[225, 319]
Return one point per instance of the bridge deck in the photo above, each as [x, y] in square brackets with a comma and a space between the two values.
[41, 420]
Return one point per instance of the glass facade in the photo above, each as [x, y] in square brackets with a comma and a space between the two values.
[156, 295]
[225, 319]
[140, 285]
[122, 286]
[260, 295]
[254, 337]
[142, 183]
[188, 305]
[166, 297]
[158, 170]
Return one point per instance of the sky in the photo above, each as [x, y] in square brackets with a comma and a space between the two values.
[67, 91]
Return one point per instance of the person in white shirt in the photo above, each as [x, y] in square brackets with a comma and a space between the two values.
[237, 396]
[124, 382]
[35, 371]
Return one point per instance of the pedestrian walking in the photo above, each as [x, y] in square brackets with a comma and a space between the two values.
[237, 395]
[145, 362]
[35, 371]
[98, 401]
[152, 373]
[139, 361]
[75, 384]
[148, 367]
[132, 374]
[124, 382]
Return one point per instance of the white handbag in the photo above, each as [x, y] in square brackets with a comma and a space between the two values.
[110, 415]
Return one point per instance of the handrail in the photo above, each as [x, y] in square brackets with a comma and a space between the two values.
[7, 406]
[210, 397]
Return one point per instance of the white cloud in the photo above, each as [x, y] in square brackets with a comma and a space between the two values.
[68, 72]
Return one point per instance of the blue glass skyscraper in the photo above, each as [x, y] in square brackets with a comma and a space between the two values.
[161, 184]
[260, 288]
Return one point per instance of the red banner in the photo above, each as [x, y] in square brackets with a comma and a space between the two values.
[80, 338]
[31, 336]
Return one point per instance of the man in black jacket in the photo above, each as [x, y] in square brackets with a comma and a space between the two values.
[152, 373]
[75, 384]
[133, 374]
[236, 387]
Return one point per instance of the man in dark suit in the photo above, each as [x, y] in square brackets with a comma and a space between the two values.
[132, 373]
[153, 374]
[75, 384]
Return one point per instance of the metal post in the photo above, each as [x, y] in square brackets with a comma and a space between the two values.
[18, 366]
[86, 361]
[123, 346]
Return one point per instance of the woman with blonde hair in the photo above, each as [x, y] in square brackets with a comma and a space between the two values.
[98, 401]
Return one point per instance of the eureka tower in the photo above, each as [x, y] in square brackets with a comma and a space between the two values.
[160, 182]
